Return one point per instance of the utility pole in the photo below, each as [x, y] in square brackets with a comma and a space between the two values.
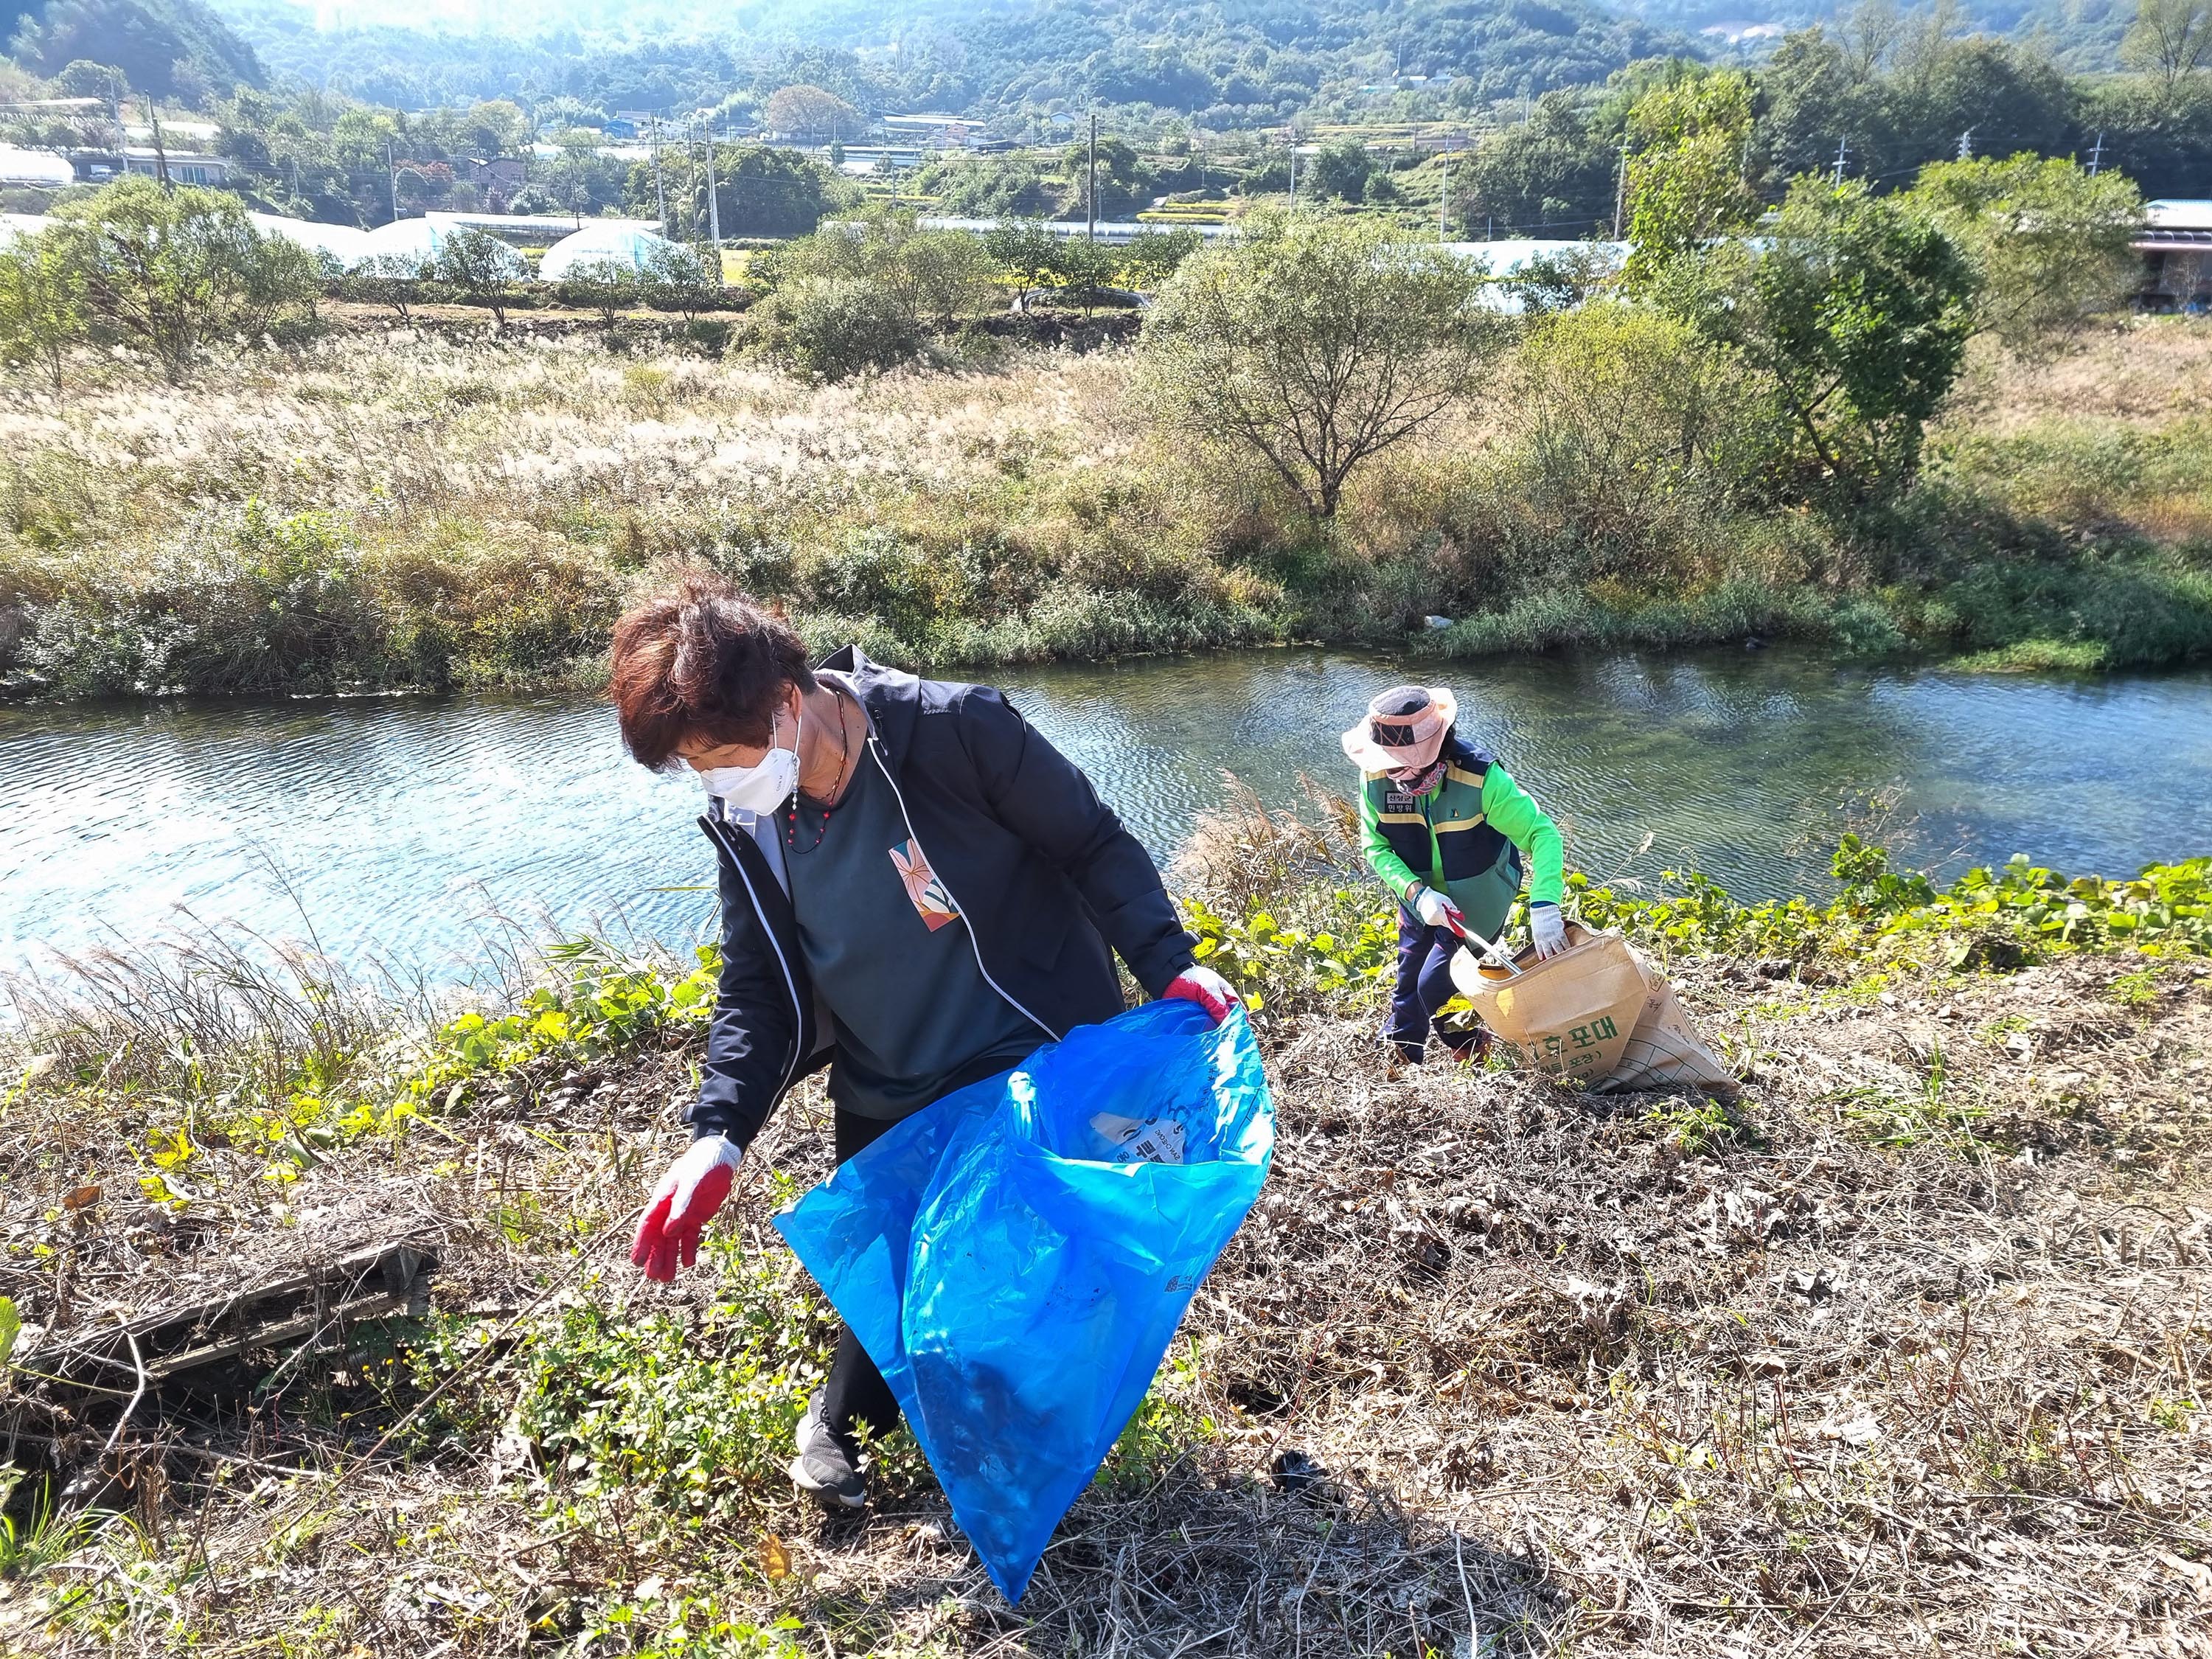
[1843, 154]
[2096, 153]
[1967, 145]
[1294, 169]
[714, 205]
[1443, 196]
[1621, 190]
[1091, 194]
[660, 193]
[161, 154]
[392, 167]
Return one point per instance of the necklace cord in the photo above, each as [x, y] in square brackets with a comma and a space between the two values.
[844, 765]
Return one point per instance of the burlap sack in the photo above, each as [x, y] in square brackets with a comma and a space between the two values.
[1570, 1016]
[1665, 1051]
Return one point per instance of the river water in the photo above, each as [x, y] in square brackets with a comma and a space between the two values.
[402, 829]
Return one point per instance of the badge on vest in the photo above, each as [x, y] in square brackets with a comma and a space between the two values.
[1397, 800]
[927, 893]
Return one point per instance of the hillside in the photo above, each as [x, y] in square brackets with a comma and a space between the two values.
[1224, 66]
[170, 48]
[2082, 35]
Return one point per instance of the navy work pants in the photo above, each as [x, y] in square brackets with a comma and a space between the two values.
[854, 1390]
[1423, 986]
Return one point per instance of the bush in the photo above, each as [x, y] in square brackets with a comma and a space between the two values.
[274, 605]
[169, 270]
[1318, 344]
[836, 326]
[1631, 429]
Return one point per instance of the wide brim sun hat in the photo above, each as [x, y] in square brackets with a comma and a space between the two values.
[1414, 717]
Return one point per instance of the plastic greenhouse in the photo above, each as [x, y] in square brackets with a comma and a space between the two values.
[602, 245]
[420, 240]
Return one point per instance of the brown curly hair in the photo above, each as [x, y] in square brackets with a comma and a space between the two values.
[702, 662]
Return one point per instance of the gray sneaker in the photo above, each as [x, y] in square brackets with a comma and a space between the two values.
[828, 1467]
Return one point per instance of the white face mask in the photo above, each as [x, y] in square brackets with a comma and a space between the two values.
[762, 788]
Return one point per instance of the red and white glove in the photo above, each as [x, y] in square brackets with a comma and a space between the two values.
[682, 1204]
[1207, 989]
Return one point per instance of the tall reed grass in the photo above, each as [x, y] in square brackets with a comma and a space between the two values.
[417, 511]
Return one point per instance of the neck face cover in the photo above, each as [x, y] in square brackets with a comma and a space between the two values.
[761, 789]
[1418, 779]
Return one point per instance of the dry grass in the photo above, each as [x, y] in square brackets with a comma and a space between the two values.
[2140, 372]
[405, 428]
[1907, 1354]
[420, 509]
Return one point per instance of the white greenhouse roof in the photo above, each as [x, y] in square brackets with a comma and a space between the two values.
[423, 239]
[597, 245]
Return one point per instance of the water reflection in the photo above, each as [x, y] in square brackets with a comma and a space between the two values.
[398, 826]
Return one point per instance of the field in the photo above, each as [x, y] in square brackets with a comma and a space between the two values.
[435, 507]
[1903, 1351]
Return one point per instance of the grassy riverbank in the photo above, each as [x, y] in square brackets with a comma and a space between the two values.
[410, 509]
[1905, 1349]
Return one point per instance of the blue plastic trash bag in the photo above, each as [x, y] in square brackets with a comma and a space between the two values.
[1016, 1258]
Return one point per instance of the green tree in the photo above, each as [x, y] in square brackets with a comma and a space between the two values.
[481, 266]
[496, 127]
[763, 190]
[948, 273]
[2170, 39]
[1029, 253]
[1149, 258]
[42, 305]
[609, 286]
[1553, 174]
[387, 279]
[684, 277]
[1125, 183]
[1854, 311]
[170, 269]
[1316, 344]
[1341, 170]
[1686, 180]
[926, 275]
[2049, 243]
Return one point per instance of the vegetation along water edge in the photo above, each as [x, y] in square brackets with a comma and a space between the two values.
[1914, 1327]
[1897, 423]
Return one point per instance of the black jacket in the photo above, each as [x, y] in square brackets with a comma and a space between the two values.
[1043, 874]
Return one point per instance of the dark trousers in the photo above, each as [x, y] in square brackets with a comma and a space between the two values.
[855, 1390]
[1423, 986]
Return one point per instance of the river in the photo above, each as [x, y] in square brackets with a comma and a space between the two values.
[404, 831]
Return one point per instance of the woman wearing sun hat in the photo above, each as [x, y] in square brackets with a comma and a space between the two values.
[1451, 833]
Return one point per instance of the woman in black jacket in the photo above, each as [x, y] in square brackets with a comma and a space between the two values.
[917, 890]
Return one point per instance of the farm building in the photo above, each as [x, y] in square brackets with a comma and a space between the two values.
[2176, 245]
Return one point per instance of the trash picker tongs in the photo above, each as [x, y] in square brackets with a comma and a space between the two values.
[1484, 949]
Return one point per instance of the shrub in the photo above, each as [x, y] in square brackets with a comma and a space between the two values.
[1317, 343]
[836, 326]
[1628, 425]
[268, 603]
[169, 270]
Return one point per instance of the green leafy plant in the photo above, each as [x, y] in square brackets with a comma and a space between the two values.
[678, 1425]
